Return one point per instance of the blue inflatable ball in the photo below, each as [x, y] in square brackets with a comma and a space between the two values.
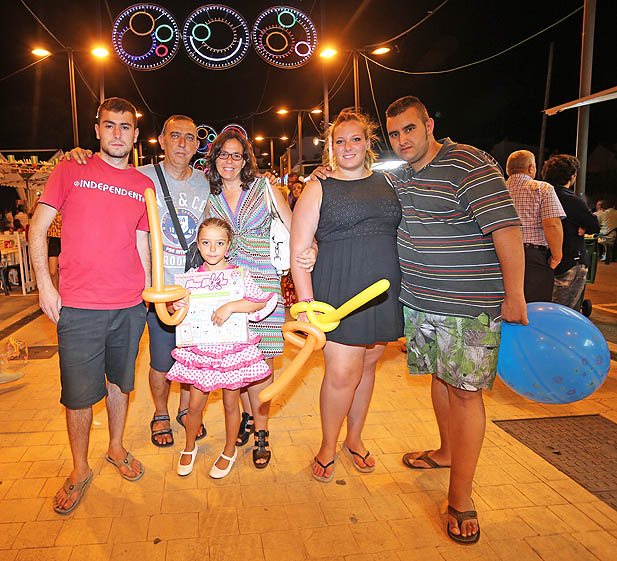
[560, 357]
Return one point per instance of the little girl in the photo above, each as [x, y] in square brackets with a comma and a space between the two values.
[229, 366]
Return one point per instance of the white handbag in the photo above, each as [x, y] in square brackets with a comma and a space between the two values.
[280, 248]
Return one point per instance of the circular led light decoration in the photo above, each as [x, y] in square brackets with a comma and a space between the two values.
[205, 136]
[200, 164]
[216, 37]
[237, 128]
[145, 36]
[284, 37]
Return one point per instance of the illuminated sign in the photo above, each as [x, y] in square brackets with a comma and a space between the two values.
[284, 37]
[145, 36]
[216, 37]
[205, 136]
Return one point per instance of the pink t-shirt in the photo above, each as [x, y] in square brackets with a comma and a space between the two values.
[102, 208]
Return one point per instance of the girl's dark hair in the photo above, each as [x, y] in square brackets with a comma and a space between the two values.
[248, 171]
[219, 223]
[559, 169]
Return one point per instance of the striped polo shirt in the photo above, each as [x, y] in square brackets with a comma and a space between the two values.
[446, 252]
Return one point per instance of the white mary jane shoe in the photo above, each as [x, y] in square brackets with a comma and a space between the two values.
[217, 473]
[186, 469]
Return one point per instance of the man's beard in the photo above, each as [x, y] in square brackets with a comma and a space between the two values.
[120, 156]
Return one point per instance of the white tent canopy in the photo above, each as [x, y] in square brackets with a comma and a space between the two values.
[27, 179]
[604, 95]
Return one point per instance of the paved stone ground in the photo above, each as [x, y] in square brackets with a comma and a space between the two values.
[529, 510]
[13, 306]
[584, 447]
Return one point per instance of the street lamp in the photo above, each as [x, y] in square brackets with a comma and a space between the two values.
[271, 139]
[100, 52]
[326, 54]
[284, 111]
[330, 52]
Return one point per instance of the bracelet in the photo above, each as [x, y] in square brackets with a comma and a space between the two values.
[307, 300]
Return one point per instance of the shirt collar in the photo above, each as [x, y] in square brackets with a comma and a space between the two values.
[406, 172]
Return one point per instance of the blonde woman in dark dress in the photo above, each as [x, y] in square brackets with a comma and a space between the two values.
[353, 215]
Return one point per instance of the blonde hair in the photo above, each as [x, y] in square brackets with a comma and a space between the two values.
[367, 125]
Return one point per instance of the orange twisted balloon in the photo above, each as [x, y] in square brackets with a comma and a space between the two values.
[316, 338]
[160, 294]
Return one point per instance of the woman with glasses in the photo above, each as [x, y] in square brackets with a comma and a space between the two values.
[238, 197]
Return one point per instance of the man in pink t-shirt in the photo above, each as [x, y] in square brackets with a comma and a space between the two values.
[104, 267]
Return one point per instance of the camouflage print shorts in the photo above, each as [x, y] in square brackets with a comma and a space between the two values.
[460, 351]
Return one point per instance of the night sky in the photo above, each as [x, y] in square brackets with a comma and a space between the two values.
[481, 105]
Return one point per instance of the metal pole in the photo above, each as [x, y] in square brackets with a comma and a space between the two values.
[326, 100]
[300, 142]
[324, 76]
[102, 68]
[589, 18]
[356, 84]
[547, 92]
[69, 53]
[102, 83]
[272, 154]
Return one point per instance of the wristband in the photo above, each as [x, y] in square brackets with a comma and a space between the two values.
[307, 300]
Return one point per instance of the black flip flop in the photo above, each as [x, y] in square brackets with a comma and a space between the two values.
[157, 419]
[366, 468]
[203, 430]
[461, 517]
[324, 478]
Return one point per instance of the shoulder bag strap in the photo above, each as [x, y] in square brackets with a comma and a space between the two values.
[170, 207]
[270, 200]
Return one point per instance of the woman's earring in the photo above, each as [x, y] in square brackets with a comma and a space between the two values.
[227, 254]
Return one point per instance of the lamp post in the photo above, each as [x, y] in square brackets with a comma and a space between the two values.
[326, 54]
[300, 113]
[99, 52]
[69, 53]
[271, 139]
[330, 52]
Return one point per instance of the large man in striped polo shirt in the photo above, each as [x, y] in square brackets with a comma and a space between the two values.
[462, 261]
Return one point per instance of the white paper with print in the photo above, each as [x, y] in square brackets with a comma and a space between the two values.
[209, 290]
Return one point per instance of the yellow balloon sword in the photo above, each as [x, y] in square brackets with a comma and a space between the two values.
[160, 294]
[328, 320]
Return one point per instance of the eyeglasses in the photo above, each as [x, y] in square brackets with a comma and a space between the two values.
[234, 155]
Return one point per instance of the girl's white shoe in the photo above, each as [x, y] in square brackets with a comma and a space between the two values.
[186, 469]
[217, 473]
